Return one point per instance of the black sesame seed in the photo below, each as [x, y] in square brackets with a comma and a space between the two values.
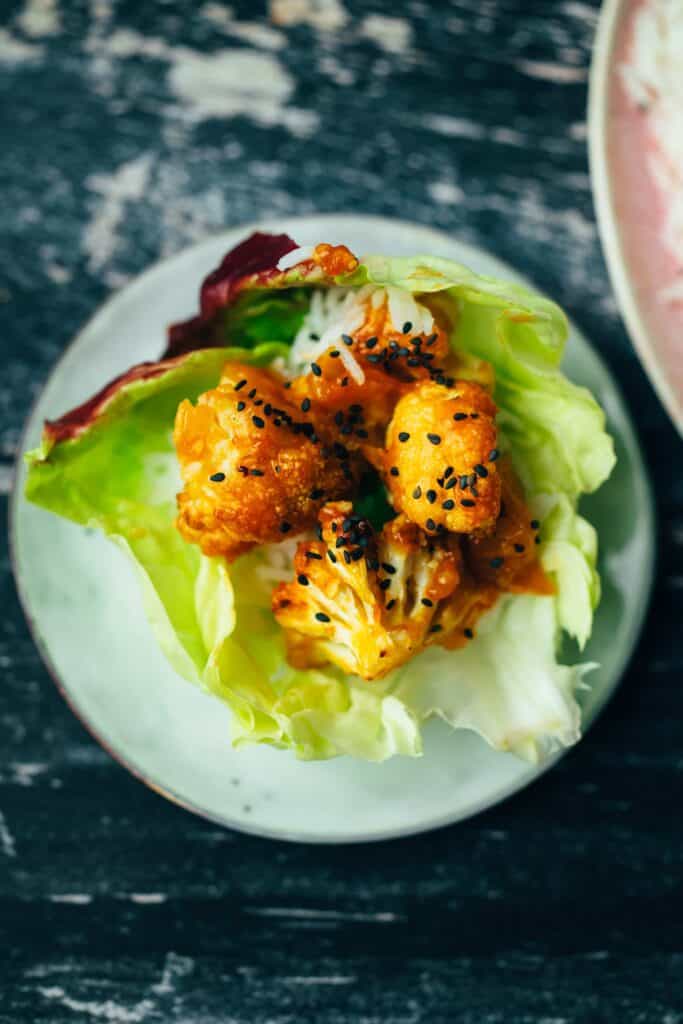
[388, 567]
[468, 503]
[315, 555]
[339, 418]
[394, 471]
[241, 405]
[404, 436]
[448, 504]
[537, 540]
[316, 370]
[519, 548]
[371, 342]
[464, 483]
[493, 454]
[407, 327]
[259, 401]
[313, 336]
[332, 557]
[384, 584]
[390, 604]
[481, 471]
[303, 580]
[347, 339]
[357, 555]
[256, 472]
[431, 497]
[451, 483]
[321, 617]
[258, 422]
[334, 354]
[217, 478]
[417, 493]
[436, 628]
[287, 384]
[340, 542]
[240, 385]
[434, 438]
[431, 339]
[427, 602]
[412, 361]
[361, 433]
[472, 479]
[430, 524]
[449, 472]
[356, 409]
[459, 416]
[344, 382]
[474, 491]
[534, 524]
[285, 527]
[474, 415]
[306, 405]
[496, 563]
[468, 633]
[251, 393]
[347, 556]
[316, 493]
[374, 358]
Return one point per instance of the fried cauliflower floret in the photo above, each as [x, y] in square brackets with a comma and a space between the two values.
[356, 405]
[253, 467]
[439, 463]
[361, 348]
[506, 557]
[368, 603]
[389, 338]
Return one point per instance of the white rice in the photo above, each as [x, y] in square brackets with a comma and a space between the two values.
[653, 78]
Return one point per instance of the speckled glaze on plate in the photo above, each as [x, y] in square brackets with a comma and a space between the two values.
[631, 210]
[82, 602]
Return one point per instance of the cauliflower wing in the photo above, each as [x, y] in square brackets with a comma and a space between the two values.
[368, 602]
[378, 342]
[506, 557]
[253, 468]
[356, 403]
[440, 458]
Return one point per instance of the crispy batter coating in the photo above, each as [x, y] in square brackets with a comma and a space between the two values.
[507, 556]
[440, 460]
[335, 399]
[368, 603]
[253, 468]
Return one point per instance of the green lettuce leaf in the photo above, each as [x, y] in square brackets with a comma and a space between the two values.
[111, 465]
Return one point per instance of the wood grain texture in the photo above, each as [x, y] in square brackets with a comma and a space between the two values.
[131, 130]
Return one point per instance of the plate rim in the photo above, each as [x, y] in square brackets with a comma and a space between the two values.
[534, 772]
[599, 79]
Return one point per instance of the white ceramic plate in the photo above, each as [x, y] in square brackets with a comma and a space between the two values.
[630, 210]
[83, 605]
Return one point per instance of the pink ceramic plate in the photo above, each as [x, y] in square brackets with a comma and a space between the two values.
[631, 210]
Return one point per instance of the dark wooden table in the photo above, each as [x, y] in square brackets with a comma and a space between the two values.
[129, 130]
